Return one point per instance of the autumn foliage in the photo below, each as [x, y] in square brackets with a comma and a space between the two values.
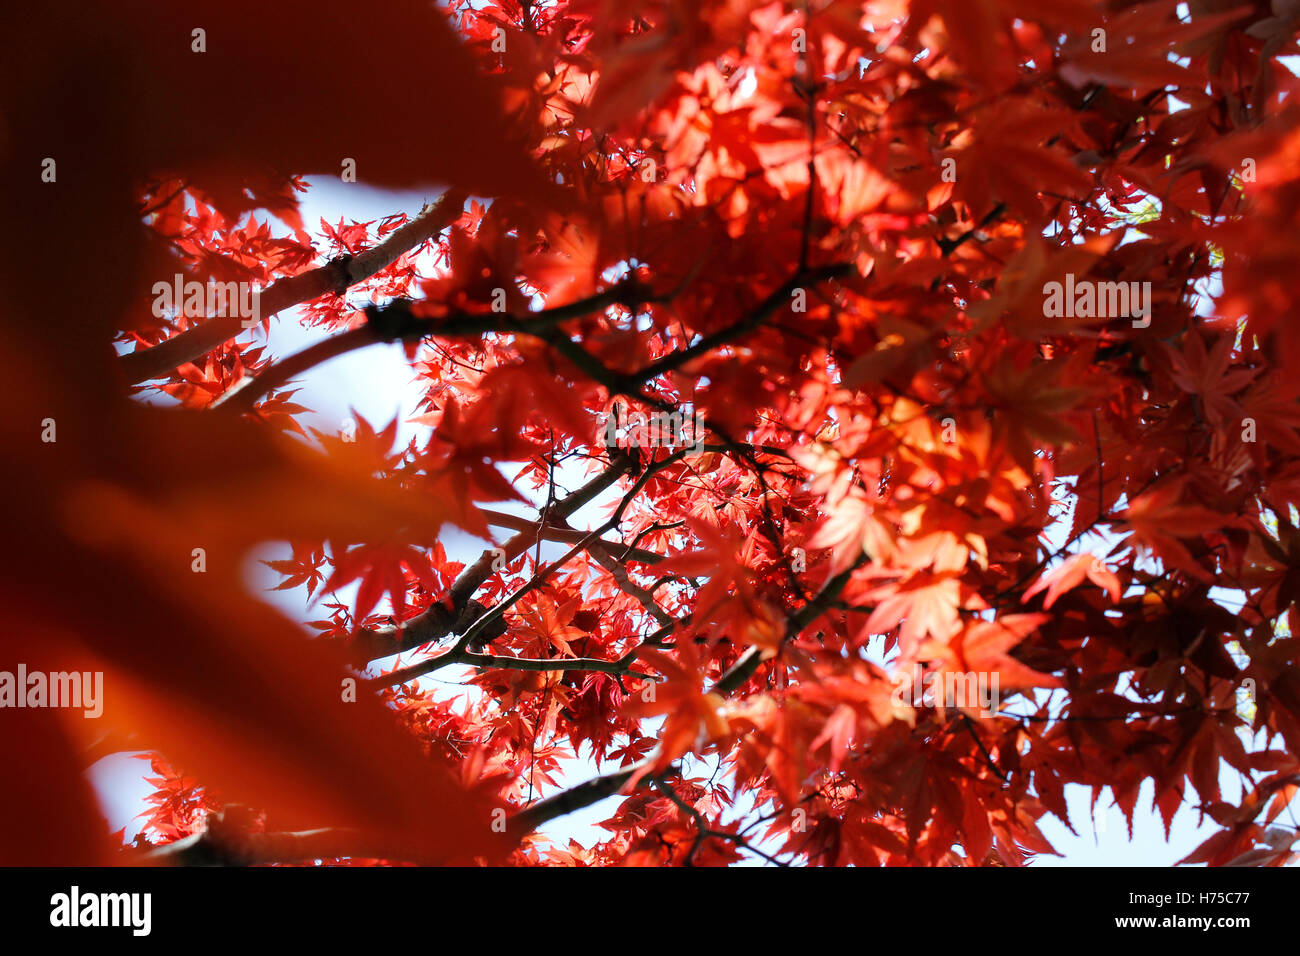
[828, 229]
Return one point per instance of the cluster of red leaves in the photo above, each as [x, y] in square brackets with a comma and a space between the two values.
[847, 215]
[179, 804]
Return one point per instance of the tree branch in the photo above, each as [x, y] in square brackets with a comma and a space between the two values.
[456, 654]
[396, 323]
[780, 296]
[748, 662]
[473, 659]
[598, 788]
[335, 276]
[303, 846]
[436, 621]
[563, 533]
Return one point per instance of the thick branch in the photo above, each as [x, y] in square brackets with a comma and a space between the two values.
[244, 395]
[335, 276]
[618, 383]
[601, 552]
[253, 849]
[575, 798]
[396, 323]
[332, 843]
[458, 656]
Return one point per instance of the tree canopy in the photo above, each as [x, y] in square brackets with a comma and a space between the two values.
[901, 396]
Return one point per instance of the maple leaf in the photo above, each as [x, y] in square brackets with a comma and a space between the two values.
[854, 529]
[1136, 47]
[1006, 159]
[303, 569]
[1072, 572]
[693, 715]
[983, 646]
[1206, 375]
[550, 627]
[382, 570]
[924, 604]
[1032, 404]
[1159, 521]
